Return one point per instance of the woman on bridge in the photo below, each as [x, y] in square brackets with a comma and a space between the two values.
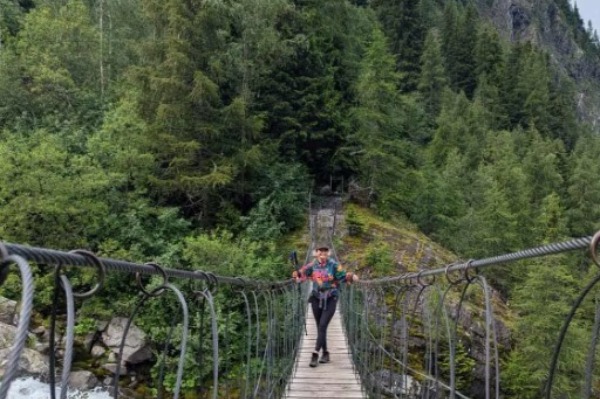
[326, 274]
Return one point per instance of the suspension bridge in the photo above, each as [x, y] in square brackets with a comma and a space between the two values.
[393, 337]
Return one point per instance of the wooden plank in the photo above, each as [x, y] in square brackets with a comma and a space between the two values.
[336, 379]
[325, 394]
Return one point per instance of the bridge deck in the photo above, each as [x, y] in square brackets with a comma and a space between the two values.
[335, 379]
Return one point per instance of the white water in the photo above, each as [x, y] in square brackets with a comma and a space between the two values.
[29, 388]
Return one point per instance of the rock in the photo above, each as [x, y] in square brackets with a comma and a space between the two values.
[98, 351]
[39, 331]
[88, 341]
[42, 347]
[101, 325]
[111, 368]
[82, 380]
[396, 384]
[30, 362]
[7, 335]
[8, 310]
[136, 349]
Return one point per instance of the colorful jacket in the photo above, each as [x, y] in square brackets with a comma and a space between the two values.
[326, 277]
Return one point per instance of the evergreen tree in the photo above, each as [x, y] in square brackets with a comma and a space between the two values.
[562, 112]
[512, 100]
[534, 86]
[552, 287]
[583, 187]
[306, 97]
[380, 139]
[50, 71]
[404, 26]
[489, 57]
[541, 165]
[459, 32]
[432, 81]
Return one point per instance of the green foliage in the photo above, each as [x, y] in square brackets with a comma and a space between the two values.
[56, 62]
[85, 325]
[55, 199]
[188, 134]
[380, 258]
[404, 26]
[432, 80]
[549, 287]
[354, 225]
[282, 205]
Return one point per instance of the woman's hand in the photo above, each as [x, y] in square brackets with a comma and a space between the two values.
[355, 278]
[295, 277]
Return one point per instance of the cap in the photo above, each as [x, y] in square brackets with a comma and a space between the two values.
[322, 245]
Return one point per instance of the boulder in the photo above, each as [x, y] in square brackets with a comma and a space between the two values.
[7, 335]
[136, 348]
[8, 310]
[82, 380]
[30, 363]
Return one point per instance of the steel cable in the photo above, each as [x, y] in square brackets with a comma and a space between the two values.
[12, 360]
[53, 257]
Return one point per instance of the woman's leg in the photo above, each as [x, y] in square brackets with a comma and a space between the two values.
[326, 315]
[317, 313]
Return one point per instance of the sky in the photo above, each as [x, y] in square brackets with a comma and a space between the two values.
[589, 10]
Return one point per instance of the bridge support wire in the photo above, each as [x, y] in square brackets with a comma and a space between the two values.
[269, 316]
[392, 321]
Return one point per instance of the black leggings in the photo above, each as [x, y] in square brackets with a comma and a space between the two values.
[323, 316]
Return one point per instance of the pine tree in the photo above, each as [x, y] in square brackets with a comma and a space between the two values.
[380, 137]
[583, 187]
[404, 26]
[432, 81]
[489, 55]
[49, 74]
[459, 32]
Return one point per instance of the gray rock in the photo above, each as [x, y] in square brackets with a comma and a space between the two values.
[30, 362]
[88, 341]
[7, 335]
[101, 325]
[111, 368]
[396, 384]
[136, 348]
[8, 310]
[39, 331]
[98, 351]
[82, 380]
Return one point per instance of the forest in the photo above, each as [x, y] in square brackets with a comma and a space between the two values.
[191, 132]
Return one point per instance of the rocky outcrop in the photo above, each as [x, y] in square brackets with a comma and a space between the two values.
[31, 363]
[82, 380]
[8, 310]
[544, 24]
[136, 349]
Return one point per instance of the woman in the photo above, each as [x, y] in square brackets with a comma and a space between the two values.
[326, 274]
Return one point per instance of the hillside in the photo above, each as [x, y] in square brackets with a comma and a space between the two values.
[556, 27]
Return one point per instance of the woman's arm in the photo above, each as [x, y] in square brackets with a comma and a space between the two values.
[304, 272]
[342, 275]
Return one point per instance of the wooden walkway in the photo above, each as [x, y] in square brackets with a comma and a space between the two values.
[335, 379]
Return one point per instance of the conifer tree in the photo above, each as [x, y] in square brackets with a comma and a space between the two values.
[49, 73]
[380, 138]
[534, 86]
[459, 33]
[405, 29]
[541, 165]
[432, 80]
[488, 53]
[583, 187]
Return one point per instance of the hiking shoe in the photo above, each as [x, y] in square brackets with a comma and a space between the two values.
[314, 361]
[324, 358]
